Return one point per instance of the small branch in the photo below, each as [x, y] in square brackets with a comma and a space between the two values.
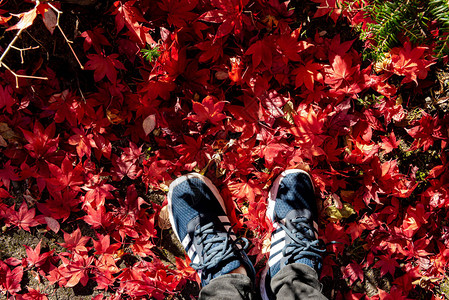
[63, 34]
[17, 76]
[23, 49]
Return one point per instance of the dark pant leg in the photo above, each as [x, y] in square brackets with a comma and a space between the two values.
[297, 281]
[229, 287]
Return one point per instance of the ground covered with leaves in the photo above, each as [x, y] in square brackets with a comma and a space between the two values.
[104, 103]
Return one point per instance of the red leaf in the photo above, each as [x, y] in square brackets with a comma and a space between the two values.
[75, 241]
[104, 66]
[389, 143]
[209, 110]
[229, 14]
[24, 218]
[94, 38]
[35, 258]
[273, 102]
[387, 265]
[6, 99]
[307, 74]
[179, 11]
[353, 271]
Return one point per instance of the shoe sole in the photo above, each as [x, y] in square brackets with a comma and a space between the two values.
[270, 214]
[181, 179]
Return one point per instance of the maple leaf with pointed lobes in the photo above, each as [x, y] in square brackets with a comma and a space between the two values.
[273, 103]
[230, 14]
[210, 109]
[126, 14]
[179, 11]
[6, 98]
[34, 295]
[7, 174]
[353, 271]
[94, 38]
[389, 142]
[211, 50]
[60, 204]
[10, 280]
[68, 107]
[387, 265]
[76, 271]
[261, 53]
[97, 218]
[104, 66]
[40, 141]
[340, 72]
[83, 142]
[426, 132]
[409, 62]
[24, 218]
[307, 74]
[75, 242]
[35, 258]
[288, 46]
[66, 176]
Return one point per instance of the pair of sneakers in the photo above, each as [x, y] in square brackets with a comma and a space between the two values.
[198, 217]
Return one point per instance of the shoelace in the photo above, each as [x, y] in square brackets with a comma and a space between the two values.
[304, 244]
[216, 249]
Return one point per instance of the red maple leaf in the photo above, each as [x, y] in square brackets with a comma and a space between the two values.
[261, 53]
[24, 218]
[68, 107]
[353, 271]
[212, 50]
[126, 14]
[76, 271]
[389, 142]
[40, 141]
[230, 14]
[10, 280]
[94, 38]
[66, 176]
[408, 61]
[75, 241]
[35, 258]
[83, 142]
[104, 66]
[273, 102]
[290, 48]
[340, 72]
[209, 110]
[307, 74]
[427, 130]
[6, 98]
[97, 218]
[34, 295]
[7, 174]
[387, 265]
[179, 12]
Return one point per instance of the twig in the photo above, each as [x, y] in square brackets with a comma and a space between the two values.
[17, 76]
[63, 34]
[23, 49]
[11, 45]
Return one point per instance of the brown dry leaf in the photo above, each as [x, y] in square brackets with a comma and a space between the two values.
[164, 221]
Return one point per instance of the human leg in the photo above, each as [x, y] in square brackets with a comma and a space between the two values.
[198, 218]
[295, 257]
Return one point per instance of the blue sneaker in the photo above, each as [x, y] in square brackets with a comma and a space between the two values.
[293, 211]
[198, 218]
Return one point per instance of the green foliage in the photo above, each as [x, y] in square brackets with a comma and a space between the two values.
[392, 21]
[149, 54]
